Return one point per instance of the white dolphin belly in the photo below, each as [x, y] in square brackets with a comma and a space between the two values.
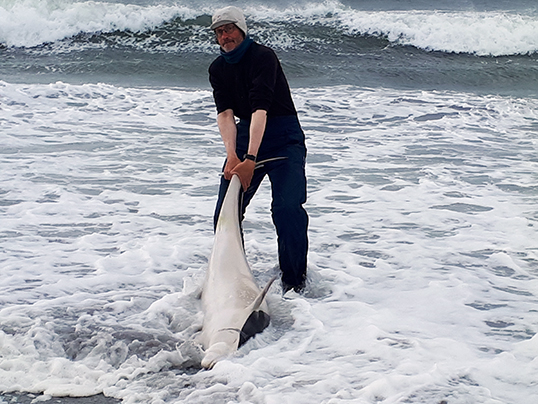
[234, 306]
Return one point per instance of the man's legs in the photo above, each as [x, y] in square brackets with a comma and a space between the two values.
[288, 184]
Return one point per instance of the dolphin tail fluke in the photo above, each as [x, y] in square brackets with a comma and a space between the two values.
[260, 164]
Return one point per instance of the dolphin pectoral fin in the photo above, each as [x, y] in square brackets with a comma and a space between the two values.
[256, 323]
[259, 299]
[258, 319]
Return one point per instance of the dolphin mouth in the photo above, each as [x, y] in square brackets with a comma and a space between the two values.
[214, 354]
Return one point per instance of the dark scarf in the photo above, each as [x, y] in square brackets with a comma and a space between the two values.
[235, 56]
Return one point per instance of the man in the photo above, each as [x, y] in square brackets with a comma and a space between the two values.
[248, 83]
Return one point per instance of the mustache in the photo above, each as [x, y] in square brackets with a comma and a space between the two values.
[225, 42]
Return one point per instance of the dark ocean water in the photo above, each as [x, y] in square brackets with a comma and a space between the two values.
[479, 46]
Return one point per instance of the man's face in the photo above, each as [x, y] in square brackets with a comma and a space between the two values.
[229, 37]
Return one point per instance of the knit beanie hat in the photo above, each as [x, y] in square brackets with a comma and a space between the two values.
[229, 15]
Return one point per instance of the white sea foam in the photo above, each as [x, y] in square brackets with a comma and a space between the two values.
[478, 33]
[34, 22]
[423, 248]
[481, 33]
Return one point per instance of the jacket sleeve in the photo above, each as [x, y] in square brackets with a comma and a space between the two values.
[264, 77]
[221, 93]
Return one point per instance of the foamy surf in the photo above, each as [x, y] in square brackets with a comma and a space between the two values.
[423, 217]
[35, 22]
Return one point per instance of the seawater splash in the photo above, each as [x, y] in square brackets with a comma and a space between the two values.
[479, 33]
[35, 22]
[423, 208]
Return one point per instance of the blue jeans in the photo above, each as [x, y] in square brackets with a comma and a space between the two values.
[288, 188]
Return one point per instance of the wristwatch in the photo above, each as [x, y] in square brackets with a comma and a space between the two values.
[250, 157]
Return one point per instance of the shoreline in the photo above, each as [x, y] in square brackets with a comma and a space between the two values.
[27, 398]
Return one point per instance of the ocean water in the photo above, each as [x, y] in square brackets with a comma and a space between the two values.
[421, 120]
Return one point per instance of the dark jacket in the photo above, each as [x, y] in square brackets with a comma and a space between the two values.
[257, 82]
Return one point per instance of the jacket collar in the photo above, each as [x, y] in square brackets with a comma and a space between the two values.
[235, 56]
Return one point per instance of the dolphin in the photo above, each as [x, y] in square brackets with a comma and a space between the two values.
[234, 306]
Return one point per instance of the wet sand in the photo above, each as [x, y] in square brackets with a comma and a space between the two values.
[26, 398]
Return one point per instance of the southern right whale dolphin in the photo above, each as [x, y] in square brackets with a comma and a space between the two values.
[233, 304]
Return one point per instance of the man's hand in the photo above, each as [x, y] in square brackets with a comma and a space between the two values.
[245, 171]
[231, 162]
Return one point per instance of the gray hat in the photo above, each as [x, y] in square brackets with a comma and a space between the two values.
[229, 15]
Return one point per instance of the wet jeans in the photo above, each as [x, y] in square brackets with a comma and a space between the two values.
[288, 190]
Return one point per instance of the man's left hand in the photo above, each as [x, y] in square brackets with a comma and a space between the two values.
[245, 171]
